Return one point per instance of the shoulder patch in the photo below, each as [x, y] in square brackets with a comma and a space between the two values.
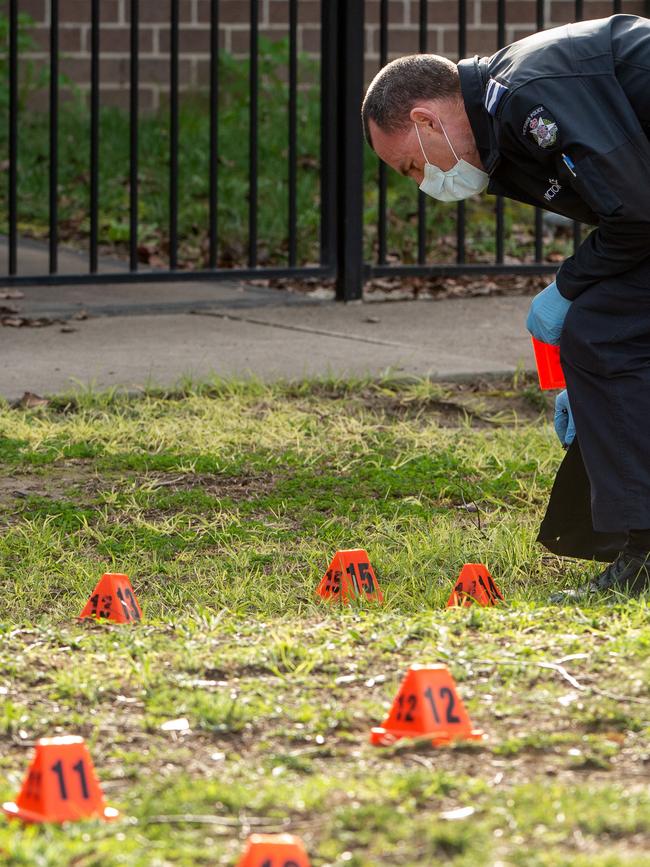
[541, 127]
[493, 93]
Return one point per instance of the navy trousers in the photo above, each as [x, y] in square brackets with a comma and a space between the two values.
[605, 353]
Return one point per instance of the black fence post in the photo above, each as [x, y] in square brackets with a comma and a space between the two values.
[13, 136]
[350, 68]
[328, 134]
[54, 136]
[133, 137]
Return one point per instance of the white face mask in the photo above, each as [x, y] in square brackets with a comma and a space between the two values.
[459, 182]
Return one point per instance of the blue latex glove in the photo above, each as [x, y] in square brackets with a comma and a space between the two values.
[546, 315]
[564, 426]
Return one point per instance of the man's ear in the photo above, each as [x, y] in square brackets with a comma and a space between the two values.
[423, 116]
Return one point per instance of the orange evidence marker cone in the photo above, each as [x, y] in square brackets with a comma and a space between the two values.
[427, 705]
[113, 599]
[60, 785]
[350, 574]
[474, 584]
[549, 369]
[274, 850]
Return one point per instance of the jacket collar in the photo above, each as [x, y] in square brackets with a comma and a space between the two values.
[474, 77]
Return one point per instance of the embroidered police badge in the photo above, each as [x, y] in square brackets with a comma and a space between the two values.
[540, 125]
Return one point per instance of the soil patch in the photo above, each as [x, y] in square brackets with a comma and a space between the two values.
[53, 481]
[86, 482]
[483, 404]
[241, 487]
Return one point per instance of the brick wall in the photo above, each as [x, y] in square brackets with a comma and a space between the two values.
[74, 16]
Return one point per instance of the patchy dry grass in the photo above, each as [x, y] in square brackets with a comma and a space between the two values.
[224, 504]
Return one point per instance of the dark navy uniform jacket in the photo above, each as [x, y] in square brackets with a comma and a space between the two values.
[562, 121]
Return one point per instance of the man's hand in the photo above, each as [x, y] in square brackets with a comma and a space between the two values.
[564, 426]
[546, 315]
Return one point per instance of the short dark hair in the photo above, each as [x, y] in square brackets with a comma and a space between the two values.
[401, 84]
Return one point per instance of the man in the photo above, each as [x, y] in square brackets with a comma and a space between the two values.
[560, 120]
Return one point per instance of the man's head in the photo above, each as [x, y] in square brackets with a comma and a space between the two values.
[422, 90]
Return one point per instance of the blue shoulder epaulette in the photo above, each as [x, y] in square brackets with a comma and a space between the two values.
[493, 94]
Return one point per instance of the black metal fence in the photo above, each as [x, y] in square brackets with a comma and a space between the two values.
[342, 158]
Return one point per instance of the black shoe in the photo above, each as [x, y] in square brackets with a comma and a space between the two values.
[628, 574]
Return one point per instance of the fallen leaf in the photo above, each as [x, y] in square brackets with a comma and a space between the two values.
[144, 253]
[460, 813]
[616, 737]
[29, 400]
[176, 725]
[26, 322]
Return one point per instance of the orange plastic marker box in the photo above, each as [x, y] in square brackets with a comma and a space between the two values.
[426, 706]
[474, 585]
[60, 785]
[113, 599]
[274, 850]
[549, 369]
[350, 575]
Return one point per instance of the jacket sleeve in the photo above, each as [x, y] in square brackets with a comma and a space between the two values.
[608, 155]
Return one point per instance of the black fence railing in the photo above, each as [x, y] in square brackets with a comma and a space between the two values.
[352, 239]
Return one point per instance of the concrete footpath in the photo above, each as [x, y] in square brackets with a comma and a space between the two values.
[158, 333]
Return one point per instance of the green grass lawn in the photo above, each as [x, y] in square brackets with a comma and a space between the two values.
[224, 503]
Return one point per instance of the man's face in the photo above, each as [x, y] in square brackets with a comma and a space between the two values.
[402, 152]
